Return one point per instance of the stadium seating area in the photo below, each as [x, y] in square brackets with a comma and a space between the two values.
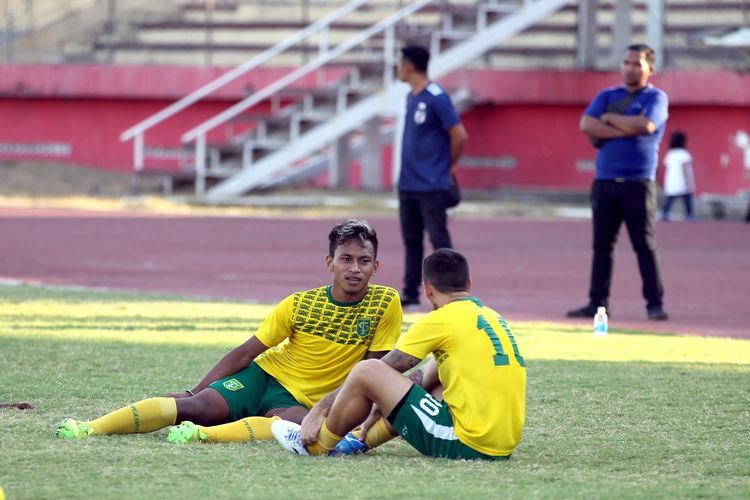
[142, 56]
[228, 32]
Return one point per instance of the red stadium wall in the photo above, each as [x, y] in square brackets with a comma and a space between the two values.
[526, 133]
[523, 127]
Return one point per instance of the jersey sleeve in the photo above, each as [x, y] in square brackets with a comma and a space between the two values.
[389, 327]
[597, 106]
[278, 324]
[423, 337]
[445, 112]
[657, 108]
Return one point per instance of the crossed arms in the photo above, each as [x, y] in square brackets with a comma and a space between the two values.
[613, 125]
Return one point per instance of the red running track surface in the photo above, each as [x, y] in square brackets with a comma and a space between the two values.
[526, 269]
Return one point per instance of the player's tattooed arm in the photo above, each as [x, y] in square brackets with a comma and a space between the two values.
[416, 376]
[400, 361]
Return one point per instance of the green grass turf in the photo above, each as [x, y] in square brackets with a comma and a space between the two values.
[632, 416]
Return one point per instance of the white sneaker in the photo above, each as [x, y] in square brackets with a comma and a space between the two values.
[287, 434]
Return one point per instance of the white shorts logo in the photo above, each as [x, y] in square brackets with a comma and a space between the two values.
[430, 405]
[433, 428]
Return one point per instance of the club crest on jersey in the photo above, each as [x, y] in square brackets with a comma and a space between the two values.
[420, 115]
[363, 327]
[233, 385]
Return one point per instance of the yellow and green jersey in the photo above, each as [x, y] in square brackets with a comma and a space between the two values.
[318, 340]
[482, 372]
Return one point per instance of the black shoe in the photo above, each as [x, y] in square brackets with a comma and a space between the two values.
[587, 311]
[409, 303]
[656, 313]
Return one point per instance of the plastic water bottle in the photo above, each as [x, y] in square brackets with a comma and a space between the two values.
[600, 322]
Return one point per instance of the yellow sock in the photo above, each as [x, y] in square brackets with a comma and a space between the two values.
[242, 431]
[327, 441]
[377, 435]
[143, 416]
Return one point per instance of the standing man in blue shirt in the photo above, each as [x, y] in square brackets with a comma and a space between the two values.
[433, 141]
[626, 123]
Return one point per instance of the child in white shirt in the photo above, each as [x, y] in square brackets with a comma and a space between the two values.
[678, 178]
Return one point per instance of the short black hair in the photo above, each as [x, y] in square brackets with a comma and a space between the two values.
[446, 270]
[417, 55]
[648, 52]
[677, 139]
[352, 229]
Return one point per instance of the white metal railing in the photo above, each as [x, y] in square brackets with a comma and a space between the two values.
[199, 133]
[388, 102]
[386, 53]
[137, 131]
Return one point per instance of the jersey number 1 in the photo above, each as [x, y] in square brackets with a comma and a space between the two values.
[500, 358]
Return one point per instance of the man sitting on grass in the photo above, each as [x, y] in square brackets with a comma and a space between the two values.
[319, 336]
[479, 367]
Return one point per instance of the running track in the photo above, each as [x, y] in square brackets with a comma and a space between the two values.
[527, 269]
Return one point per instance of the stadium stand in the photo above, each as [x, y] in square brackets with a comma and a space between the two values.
[225, 33]
[229, 32]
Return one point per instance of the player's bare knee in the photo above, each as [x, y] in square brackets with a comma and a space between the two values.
[366, 371]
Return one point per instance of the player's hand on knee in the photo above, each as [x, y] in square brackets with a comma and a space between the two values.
[375, 415]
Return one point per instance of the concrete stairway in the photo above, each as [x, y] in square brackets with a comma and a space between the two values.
[366, 95]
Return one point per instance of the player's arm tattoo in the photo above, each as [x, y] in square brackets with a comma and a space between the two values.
[325, 404]
[400, 361]
[416, 376]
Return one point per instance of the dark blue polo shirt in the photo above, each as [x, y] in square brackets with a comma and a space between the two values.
[634, 157]
[426, 146]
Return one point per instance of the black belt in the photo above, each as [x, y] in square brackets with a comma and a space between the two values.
[621, 179]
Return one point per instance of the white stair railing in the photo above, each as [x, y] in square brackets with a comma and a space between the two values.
[199, 133]
[137, 132]
[484, 36]
[512, 24]
[459, 54]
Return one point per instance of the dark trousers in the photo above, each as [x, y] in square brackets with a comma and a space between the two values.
[612, 203]
[420, 211]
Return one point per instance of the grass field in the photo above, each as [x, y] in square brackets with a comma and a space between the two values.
[632, 416]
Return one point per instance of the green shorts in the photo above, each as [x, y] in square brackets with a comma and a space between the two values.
[427, 425]
[251, 392]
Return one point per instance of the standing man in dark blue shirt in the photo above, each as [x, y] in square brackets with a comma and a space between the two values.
[626, 123]
[433, 141]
